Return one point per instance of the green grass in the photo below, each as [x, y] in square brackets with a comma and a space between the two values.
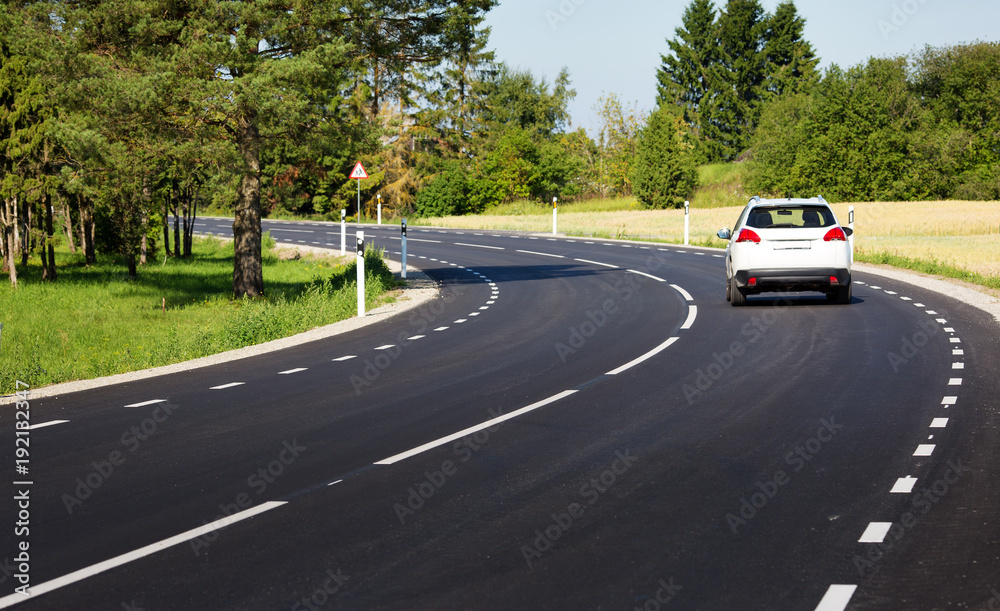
[94, 322]
[720, 185]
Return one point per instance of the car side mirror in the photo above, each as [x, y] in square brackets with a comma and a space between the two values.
[848, 231]
[724, 234]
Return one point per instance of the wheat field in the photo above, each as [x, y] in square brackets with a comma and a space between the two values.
[963, 234]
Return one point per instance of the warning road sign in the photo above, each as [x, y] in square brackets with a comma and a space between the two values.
[359, 172]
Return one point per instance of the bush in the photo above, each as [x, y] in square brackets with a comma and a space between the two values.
[664, 174]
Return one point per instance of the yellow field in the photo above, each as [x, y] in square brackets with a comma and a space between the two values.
[959, 233]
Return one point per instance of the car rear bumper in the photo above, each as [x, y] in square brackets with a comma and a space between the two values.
[767, 280]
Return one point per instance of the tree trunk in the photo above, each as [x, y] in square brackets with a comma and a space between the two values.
[189, 237]
[26, 239]
[9, 230]
[248, 271]
[175, 201]
[87, 225]
[68, 224]
[49, 239]
[43, 251]
[166, 226]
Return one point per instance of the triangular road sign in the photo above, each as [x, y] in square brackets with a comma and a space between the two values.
[359, 172]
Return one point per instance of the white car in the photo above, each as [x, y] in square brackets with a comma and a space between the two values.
[788, 245]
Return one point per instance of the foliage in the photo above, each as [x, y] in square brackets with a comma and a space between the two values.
[720, 70]
[665, 174]
[892, 129]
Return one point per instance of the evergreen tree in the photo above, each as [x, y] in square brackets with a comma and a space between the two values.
[665, 173]
[739, 78]
[685, 77]
[791, 62]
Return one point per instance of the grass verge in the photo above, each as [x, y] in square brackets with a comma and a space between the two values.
[93, 322]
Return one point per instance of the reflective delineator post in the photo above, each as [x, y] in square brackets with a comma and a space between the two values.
[361, 273]
[555, 214]
[403, 238]
[379, 196]
[687, 222]
[343, 232]
[850, 223]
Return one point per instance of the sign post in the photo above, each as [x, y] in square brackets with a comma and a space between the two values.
[403, 237]
[361, 273]
[360, 174]
[555, 213]
[379, 196]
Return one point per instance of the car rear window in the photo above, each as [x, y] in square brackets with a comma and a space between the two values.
[765, 217]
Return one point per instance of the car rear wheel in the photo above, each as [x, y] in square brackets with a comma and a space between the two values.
[842, 295]
[737, 297]
[729, 289]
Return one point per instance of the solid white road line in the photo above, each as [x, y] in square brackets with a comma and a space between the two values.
[473, 429]
[117, 561]
[541, 254]
[597, 263]
[480, 246]
[644, 357]
[422, 240]
[42, 425]
[876, 532]
[692, 314]
[145, 403]
[230, 385]
[686, 295]
[836, 598]
[904, 485]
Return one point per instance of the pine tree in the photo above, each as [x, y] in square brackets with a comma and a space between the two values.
[685, 77]
[791, 61]
[740, 77]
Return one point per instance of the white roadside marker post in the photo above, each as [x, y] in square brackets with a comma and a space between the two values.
[379, 196]
[343, 232]
[850, 223]
[555, 214]
[403, 238]
[687, 222]
[361, 273]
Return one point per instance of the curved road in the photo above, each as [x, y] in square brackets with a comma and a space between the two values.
[572, 424]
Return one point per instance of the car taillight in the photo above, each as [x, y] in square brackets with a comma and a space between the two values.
[833, 280]
[835, 235]
[752, 282]
[748, 236]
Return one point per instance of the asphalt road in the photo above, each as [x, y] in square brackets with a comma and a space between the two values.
[572, 424]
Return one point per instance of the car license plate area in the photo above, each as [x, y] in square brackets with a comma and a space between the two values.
[792, 245]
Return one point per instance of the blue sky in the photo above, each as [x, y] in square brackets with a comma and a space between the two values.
[615, 46]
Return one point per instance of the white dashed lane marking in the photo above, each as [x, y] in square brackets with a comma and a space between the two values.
[876, 532]
[904, 485]
[291, 371]
[145, 403]
[225, 386]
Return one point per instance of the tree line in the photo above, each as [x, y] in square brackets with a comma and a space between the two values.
[117, 115]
